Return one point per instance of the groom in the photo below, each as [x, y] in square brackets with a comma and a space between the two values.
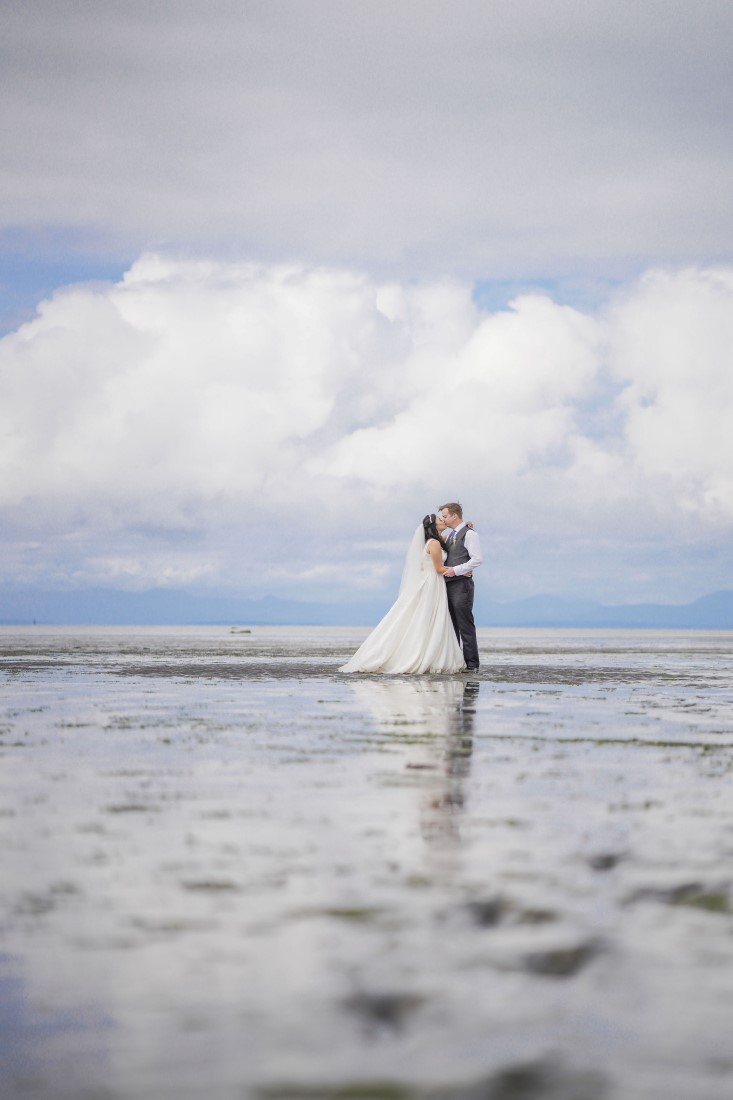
[464, 555]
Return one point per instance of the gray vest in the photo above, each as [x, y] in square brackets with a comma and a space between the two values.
[457, 552]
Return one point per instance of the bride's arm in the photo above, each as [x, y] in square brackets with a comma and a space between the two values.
[436, 556]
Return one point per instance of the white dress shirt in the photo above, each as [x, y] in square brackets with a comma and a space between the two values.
[473, 546]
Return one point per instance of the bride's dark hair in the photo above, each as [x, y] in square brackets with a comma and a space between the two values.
[431, 531]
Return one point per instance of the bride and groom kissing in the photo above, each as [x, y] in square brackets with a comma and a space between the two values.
[429, 627]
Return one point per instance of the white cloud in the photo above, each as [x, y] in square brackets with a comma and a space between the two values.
[500, 400]
[479, 137]
[673, 346]
[258, 428]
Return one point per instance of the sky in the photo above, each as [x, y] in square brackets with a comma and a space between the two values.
[278, 278]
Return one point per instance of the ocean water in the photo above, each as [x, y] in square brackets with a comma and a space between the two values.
[229, 871]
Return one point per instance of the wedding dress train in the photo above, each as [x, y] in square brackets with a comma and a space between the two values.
[416, 635]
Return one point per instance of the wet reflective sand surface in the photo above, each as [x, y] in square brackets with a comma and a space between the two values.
[229, 871]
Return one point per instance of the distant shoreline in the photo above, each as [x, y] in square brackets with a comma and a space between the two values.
[175, 607]
[243, 628]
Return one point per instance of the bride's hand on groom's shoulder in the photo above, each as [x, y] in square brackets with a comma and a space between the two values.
[469, 524]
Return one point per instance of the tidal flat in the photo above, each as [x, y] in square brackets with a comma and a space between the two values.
[230, 871]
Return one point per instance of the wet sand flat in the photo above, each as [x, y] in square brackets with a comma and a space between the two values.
[230, 871]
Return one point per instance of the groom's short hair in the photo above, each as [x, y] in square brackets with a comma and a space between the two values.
[454, 508]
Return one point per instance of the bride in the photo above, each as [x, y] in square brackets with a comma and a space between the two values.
[416, 635]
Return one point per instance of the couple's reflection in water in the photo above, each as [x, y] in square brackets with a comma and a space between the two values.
[433, 720]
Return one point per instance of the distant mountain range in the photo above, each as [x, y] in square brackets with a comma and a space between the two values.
[164, 607]
[711, 612]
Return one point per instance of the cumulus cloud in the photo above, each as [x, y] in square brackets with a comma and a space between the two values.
[673, 349]
[283, 427]
[502, 400]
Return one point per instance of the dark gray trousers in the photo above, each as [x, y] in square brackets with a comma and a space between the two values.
[460, 606]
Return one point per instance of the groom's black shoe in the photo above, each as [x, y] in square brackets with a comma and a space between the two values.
[471, 668]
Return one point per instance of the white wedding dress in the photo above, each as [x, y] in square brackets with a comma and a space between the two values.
[416, 635]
